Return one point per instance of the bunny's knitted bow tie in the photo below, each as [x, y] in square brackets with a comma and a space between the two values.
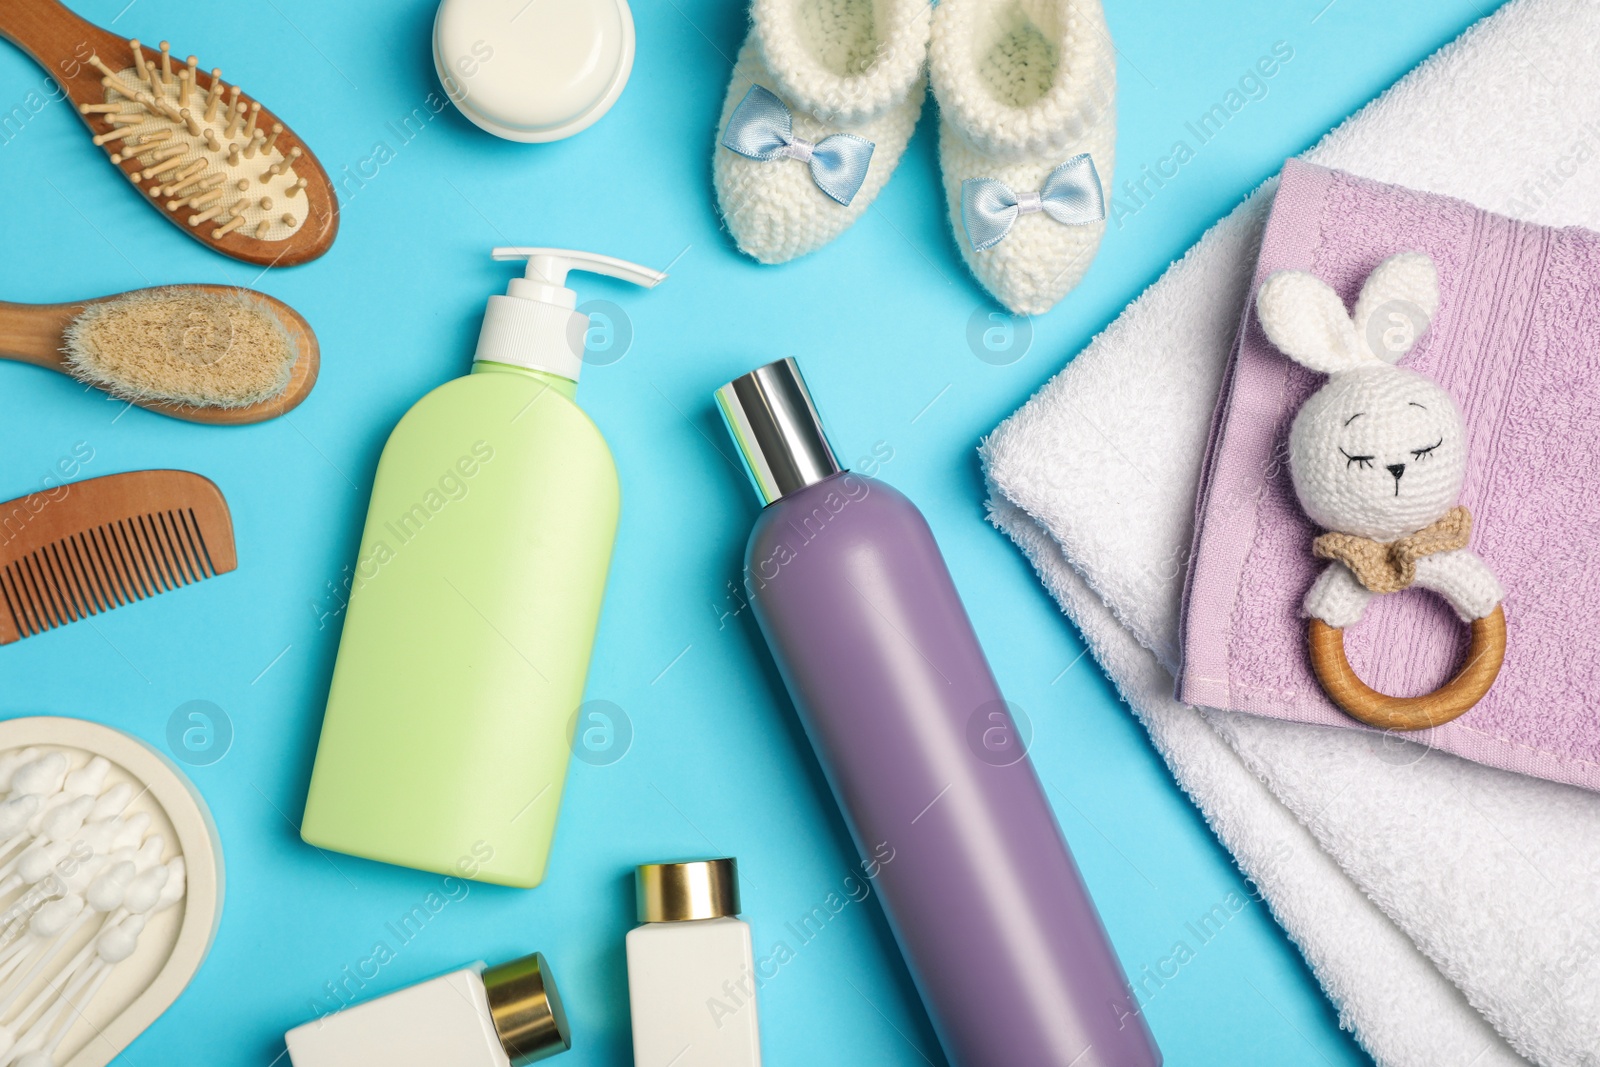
[1390, 566]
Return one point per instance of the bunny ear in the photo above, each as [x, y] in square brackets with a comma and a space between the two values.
[1396, 305]
[1308, 322]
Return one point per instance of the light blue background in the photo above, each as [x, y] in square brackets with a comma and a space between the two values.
[718, 765]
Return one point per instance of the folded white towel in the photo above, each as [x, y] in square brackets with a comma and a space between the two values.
[1420, 887]
[1401, 1009]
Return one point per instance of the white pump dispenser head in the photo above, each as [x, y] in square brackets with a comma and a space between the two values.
[534, 324]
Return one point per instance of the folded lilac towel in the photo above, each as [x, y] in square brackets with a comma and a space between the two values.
[1517, 343]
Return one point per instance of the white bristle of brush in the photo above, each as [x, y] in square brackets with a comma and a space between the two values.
[118, 345]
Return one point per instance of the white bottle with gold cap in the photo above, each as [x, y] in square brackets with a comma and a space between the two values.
[504, 1016]
[691, 973]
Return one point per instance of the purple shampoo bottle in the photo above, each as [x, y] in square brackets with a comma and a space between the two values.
[861, 615]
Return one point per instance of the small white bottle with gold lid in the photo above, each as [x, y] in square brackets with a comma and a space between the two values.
[691, 972]
[504, 1016]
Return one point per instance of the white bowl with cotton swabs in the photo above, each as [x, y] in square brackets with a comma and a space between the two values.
[110, 890]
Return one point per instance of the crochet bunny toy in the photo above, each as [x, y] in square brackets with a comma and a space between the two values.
[1377, 457]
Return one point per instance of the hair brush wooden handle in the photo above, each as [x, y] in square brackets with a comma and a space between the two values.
[274, 206]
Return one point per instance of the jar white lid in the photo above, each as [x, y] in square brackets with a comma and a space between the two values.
[533, 70]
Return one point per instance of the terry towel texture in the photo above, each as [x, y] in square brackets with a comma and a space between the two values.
[1516, 342]
[1448, 908]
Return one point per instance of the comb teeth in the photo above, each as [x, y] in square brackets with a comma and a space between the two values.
[104, 567]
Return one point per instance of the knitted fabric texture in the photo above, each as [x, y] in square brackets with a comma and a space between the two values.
[1378, 452]
[1023, 87]
[845, 66]
[1388, 567]
[844, 61]
[1308, 322]
[1513, 343]
[1023, 79]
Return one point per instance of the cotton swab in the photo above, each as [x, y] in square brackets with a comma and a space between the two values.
[77, 867]
[48, 923]
[60, 868]
[55, 827]
[62, 859]
[112, 946]
[42, 776]
[11, 761]
[15, 815]
[88, 780]
[104, 895]
[113, 801]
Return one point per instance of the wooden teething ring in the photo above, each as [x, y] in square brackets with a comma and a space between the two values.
[1485, 652]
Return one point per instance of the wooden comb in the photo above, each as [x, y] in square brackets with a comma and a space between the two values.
[214, 162]
[90, 546]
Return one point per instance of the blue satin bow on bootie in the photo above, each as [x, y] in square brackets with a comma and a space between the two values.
[761, 127]
[1071, 195]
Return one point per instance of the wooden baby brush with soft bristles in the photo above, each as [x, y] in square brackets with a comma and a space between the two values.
[204, 154]
[204, 353]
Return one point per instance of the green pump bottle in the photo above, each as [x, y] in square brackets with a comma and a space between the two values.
[474, 604]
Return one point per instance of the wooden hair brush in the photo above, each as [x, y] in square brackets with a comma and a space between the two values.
[215, 162]
[90, 546]
[204, 353]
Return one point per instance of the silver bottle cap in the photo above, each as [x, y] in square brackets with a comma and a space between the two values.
[777, 429]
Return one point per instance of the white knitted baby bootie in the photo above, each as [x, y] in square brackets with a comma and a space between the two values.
[821, 104]
[1026, 92]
